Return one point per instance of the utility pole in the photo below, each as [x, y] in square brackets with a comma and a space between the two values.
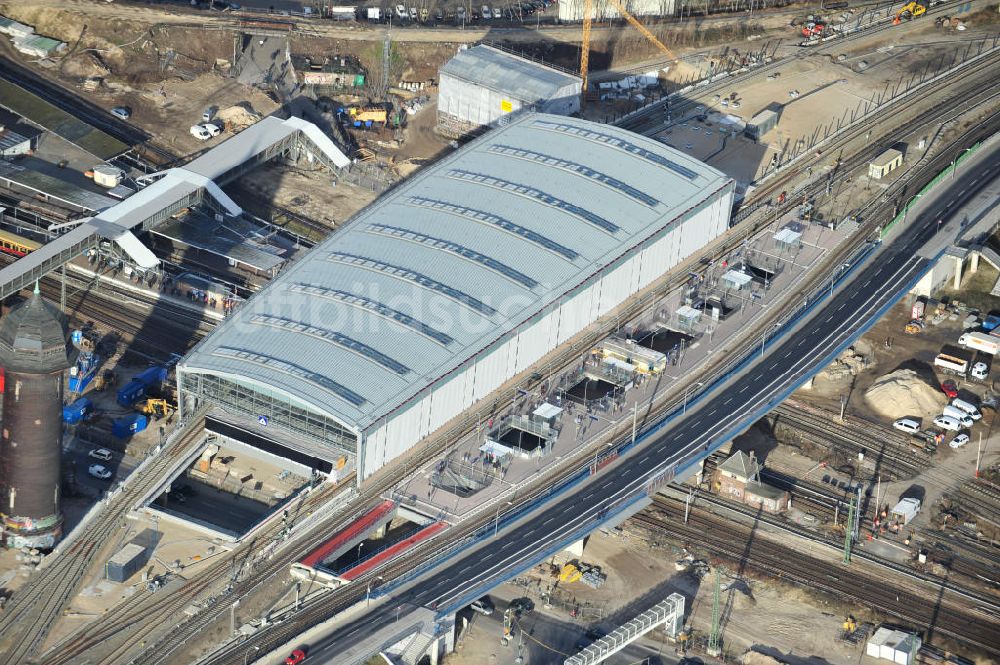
[979, 453]
[849, 533]
[635, 412]
[713, 639]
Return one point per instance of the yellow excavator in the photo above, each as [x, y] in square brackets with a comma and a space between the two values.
[158, 408]
[909, 11]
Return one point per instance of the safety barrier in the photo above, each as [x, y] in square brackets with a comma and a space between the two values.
[926, 188]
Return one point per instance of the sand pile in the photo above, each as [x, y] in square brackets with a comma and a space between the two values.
[756, 658]
[904, 393]
[237, 117]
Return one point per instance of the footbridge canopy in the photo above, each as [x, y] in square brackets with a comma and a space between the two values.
[168, 192]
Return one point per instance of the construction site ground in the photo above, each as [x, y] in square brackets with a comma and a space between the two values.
[174, 543]
[794, 620]
[313, 194]
[824, 89]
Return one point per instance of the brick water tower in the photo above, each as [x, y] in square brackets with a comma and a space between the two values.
[33, 354]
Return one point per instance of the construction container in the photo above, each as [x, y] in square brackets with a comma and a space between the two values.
[125, 563]
[77, 411]
[126, 426]
[893, 645]
[906, 510]
[152, 377]
[131, 393]
[108, 176]
[761, 124]
[884, 164]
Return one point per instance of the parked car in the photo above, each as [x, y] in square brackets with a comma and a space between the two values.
[122, 112]
[101, 454]
[948, 423]
[908, 425]
[200, 133]
[497, 13]
[401, 11]
[959, 440]
[949, 388]
[484, 606]
[99, 471]
[958, 414]
[213, 130]
[413, 13]
[522, 605]
[296, 657]
[486, 12]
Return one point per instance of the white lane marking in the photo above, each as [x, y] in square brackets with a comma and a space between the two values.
[625, 489]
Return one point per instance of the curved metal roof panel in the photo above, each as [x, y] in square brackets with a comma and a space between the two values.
[450, 261]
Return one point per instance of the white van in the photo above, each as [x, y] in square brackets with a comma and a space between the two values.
[908, 425]
[959, 415]
[948, 423]
[967, 408]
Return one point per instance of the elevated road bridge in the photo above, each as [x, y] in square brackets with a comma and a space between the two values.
[873, 282]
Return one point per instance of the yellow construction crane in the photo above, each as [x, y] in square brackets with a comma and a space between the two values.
[588, 6]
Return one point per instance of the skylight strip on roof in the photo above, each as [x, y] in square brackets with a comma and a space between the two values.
[460, 250]
[333, 337]
[414, 277]
[497, 221]
[574, 167]
[537, 194]
[375, 307]
[298, 371]
[616, 142]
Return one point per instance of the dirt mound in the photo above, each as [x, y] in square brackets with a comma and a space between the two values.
[904, 393]
[238, 117]
[756, 658]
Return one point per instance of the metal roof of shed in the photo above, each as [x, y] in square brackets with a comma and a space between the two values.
[503, 72]
[444, 265]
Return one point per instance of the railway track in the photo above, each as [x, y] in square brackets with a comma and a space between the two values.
[955, 617]
[322, 609]
[154, 328]
[129, 622]
[158, 653]
[32, 610]
[892, 455]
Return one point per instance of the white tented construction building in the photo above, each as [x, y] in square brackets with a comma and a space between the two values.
[483, 86]
[572, 10]
[448, 286]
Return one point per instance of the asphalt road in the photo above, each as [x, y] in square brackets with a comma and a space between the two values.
[713, 421]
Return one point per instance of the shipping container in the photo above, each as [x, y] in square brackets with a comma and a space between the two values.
[761, 124]
[125, 563]
[917, 311]
[991, 322]
[126, 426]
[77, 411]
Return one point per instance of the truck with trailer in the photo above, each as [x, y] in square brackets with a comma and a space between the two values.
[951, 364]
[980, 342]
